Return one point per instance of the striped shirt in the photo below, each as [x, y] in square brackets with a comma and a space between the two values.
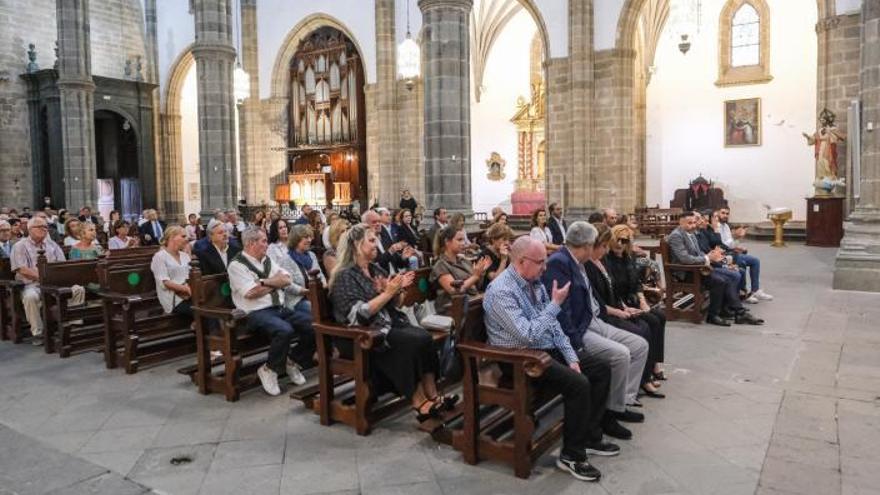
[519, 314]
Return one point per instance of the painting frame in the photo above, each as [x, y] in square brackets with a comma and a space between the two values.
[743, 127]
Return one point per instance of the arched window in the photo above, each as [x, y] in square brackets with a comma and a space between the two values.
[744, 43]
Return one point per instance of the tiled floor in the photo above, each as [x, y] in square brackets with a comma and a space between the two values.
[792, 407]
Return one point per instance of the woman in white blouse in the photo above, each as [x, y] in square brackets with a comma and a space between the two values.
[121, 239]
[171, 270]
[540, 230]
[299, 261]
[277, 237]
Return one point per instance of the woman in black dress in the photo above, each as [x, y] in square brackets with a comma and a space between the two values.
[362, 294]
[622, 265]
[617, 313]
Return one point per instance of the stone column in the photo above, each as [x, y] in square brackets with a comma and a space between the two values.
[255, 185]
[446, 55]
[171, 171]
[214, 53]
[384, 159]
[76, 91]
[858, 260]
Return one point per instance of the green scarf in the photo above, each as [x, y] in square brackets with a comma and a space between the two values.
[267, 269]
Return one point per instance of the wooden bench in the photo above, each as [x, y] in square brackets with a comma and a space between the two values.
[345, 393]
[686, 297]
[67, 328]
[137, 331]
[210, 299]
[656, 221]
[12, 321]
[511, 421]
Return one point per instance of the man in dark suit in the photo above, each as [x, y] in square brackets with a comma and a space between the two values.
[6, 239]
[557, 224]
[152, 229]
[215, 251]
[723, 294]
[85, 215]
[594, 340]
[441, 220]
[395, 256]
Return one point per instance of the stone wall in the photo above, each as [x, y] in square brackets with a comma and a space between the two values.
[838, 69]
[117, 33]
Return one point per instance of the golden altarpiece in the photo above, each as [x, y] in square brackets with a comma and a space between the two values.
[529, 119]
[327, 130]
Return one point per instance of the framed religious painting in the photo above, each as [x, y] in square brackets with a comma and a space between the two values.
[742, 123]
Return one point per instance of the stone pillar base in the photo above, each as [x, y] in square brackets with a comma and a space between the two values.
[525, 202]
[858, 261]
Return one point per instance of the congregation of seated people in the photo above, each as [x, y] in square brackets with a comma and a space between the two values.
[577, 290]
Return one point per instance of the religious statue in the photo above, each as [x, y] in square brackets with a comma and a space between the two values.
[825, 142]
[496, 167]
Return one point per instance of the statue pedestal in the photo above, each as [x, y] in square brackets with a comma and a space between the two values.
[824, 221]
[525, 202]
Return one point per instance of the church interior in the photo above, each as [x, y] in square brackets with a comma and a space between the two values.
[761, 117]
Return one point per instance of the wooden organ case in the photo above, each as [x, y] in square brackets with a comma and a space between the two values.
[326, 136]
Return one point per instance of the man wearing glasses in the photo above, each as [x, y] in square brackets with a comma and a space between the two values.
[23, 262]
[6, 240]
[519, 314]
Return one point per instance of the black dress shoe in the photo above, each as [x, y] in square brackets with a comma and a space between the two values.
[717, 320]
[604, 449]
[612, 428]
[748, 319]
[628, 416]
[581, 470]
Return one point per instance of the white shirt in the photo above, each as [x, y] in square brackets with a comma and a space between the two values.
[726, 235]
[540, 234]
[242, 280]
[116, 243]
[223, 253]
[165, 267]
[277, 251]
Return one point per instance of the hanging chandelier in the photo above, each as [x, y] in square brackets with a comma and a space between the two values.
[241, 81]
[408, 57]
[685, 19]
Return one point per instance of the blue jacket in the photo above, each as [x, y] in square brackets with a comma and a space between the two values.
[576, 313]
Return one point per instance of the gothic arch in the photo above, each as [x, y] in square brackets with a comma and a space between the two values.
[729, 75]
[174, 84]
[281, 68]
[629, 18]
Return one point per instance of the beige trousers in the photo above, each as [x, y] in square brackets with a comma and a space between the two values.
[33, 304]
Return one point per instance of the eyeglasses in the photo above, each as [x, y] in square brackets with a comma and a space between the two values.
[537, 262]
[44, 227]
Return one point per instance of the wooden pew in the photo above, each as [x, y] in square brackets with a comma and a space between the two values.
[687, 298]
[656, 221]
[67, 328]
[136, 329]
[501, 421]
[211, 302]
[345, 393]
[12, 321]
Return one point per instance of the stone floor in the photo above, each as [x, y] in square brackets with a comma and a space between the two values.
[789, 408]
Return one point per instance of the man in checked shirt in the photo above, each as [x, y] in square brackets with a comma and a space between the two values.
[520, 315]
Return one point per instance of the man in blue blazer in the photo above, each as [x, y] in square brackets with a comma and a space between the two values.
[596, 341]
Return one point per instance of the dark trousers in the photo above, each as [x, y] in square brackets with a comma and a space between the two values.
[280, 325]
[723, 292]
[185, 308]
[583, 396]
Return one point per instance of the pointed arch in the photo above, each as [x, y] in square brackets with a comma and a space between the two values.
[728, 73]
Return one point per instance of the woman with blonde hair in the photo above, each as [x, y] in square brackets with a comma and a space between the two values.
[362, 294]
[86, 248]
[337, 228]
[170, 266]
[498, 238]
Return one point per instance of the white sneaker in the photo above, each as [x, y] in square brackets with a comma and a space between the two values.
[760, 294]
[269, 379]
[751, 299]
[294, 372]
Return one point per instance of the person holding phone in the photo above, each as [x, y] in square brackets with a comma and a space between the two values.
[453, 273]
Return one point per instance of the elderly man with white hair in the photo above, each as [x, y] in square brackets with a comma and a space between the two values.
[625, 353]
[520, 314]
[24, 264]
[258, 285]
[393, 257]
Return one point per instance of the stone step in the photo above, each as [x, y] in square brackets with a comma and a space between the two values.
[795, 230]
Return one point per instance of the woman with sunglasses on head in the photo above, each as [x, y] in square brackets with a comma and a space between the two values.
[623, 269]
[618, 313]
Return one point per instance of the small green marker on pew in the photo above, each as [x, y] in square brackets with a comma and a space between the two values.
[225, 290]
[134, 279]
[423, 286]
